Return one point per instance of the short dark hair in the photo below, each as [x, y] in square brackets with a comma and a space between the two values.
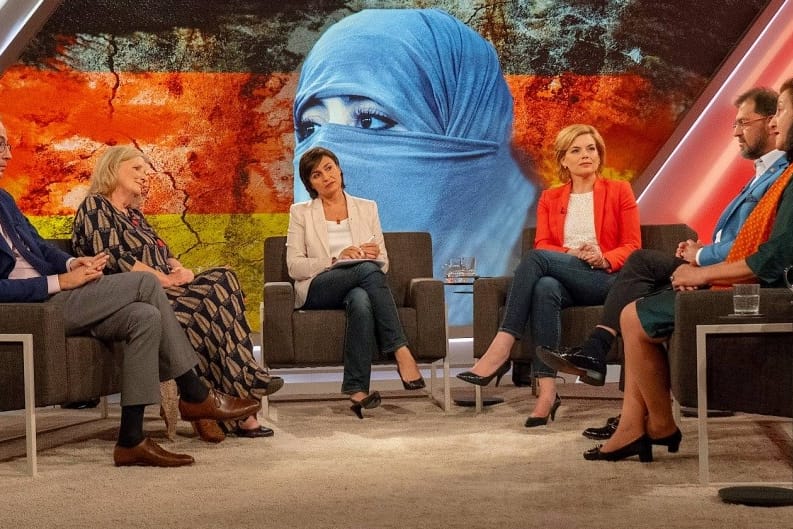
[765, 100]
[309, 162]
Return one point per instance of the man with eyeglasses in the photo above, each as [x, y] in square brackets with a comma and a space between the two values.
[130, 309]
[647, 271]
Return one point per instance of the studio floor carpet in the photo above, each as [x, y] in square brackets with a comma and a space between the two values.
[406, 465]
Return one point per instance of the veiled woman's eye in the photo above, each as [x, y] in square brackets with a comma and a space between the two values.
[374, 120]
[306, 129]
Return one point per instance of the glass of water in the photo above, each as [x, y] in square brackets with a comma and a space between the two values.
[468, 266]
[453, 270]
[746, 299]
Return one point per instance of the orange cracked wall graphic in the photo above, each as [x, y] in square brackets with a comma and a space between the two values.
[206, 90]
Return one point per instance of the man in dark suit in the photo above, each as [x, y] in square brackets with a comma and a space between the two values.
[131, 309]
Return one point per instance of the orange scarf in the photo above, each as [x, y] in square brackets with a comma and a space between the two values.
[757, 228]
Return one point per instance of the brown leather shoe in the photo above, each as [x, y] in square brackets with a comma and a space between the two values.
[149, 454]
[219, 407]
[208, 430]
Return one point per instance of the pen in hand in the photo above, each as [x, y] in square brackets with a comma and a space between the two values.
[369, 241]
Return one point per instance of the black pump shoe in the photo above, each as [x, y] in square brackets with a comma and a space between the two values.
[671, 442]
[531, 422]
[372, 400]
[261, 431]
[473, 378]
[641, 447]
[411, 385]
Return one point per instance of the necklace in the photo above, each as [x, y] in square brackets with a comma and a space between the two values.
[335, 216]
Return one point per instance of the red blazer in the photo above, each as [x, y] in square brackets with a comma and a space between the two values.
[616, 220]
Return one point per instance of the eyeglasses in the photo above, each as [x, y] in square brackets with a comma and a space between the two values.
[742, 123]
[5, 145]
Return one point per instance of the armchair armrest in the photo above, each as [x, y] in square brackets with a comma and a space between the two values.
[279, 303]
[426, 296]
[490, 294]
[45, 322]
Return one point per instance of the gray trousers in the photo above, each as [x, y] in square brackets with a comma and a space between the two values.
[132, 310]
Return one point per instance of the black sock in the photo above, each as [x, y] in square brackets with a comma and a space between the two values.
[599, 343]
[130, 433]
[191, 388]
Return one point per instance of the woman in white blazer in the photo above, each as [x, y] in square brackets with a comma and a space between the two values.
[337, 257]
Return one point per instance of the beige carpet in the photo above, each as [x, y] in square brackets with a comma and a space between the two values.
[406, 465]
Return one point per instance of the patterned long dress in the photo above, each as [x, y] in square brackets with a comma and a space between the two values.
[211, 308]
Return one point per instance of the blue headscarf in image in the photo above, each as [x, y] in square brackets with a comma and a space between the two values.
[451, 171]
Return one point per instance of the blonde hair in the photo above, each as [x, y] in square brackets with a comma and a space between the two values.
[565, 139]
[105, 176]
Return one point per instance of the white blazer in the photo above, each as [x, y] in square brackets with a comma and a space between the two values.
[307, 247]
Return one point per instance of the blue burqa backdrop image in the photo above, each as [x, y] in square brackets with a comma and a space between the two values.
[435, 151]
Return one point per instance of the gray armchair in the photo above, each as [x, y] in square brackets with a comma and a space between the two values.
[751, 373]
[66, 369]
[490, 296]
[312, 338]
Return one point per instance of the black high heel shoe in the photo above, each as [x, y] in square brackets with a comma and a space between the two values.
[473, 378]
[372, 400]
[642, 447]
[531, 422]
[411, 385]
[671, 442]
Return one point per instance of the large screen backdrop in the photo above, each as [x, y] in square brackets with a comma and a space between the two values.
[446, 121]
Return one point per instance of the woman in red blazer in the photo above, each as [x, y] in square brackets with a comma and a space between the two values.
[585, 231]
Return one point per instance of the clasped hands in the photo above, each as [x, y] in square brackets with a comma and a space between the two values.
[687, 277]
[367, 250]
[687, 250]
[591, 255]
[83, 270]
[179, 275]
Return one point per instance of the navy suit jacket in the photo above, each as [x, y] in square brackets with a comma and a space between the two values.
[736, 212]
[44, 257]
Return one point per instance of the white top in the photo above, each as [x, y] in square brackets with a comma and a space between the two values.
[579, 224]
[339, 236]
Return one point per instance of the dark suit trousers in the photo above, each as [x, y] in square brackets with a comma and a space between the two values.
[644, 272]
[133, 310]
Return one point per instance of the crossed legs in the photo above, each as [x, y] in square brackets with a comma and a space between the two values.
[646, 405]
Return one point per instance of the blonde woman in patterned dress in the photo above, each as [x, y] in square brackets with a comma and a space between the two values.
[586, 229]
[210, 306]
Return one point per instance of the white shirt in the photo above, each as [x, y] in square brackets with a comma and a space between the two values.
[579, 224]
[339, 236]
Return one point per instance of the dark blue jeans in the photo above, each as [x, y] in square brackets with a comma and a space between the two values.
[544, 283]
[372, 320]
